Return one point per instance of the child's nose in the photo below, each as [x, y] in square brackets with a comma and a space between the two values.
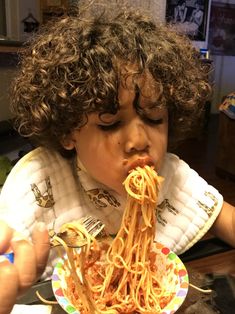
[136, 138]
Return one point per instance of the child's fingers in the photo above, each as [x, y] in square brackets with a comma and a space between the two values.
[8, 285]
[40, 238]
[5, 236]
[29, 258]
[24, 261]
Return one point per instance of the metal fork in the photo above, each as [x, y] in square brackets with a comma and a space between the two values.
[93, 225]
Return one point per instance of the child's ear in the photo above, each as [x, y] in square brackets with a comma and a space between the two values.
[68, 142]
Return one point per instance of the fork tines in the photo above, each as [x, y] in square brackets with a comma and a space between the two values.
[93, 225]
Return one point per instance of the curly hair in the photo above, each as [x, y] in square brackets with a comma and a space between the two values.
[69, 70]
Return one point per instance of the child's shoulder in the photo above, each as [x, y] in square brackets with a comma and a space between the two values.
[174, 167]
[188, 205]
[181, 178]
[35, 167]
[40, 159]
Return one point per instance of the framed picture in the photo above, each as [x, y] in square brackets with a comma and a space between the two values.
[190, 17]
[222, 29]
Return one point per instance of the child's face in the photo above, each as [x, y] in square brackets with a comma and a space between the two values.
[110, 145]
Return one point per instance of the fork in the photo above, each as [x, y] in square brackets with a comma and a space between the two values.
[93, 225]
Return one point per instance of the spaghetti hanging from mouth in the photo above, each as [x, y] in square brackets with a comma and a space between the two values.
[121, 277]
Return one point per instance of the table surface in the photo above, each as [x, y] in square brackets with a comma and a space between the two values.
[210, 265]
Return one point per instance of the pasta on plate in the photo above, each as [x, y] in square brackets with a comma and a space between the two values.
[127, 274]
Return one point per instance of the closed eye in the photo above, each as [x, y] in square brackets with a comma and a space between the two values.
[109, 127]
[153, 121]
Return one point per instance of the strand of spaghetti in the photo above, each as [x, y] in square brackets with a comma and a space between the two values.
[117, 265]
[144, 256]
[45, 301]
[83, 256]
[200, 289]
[139, 293]
[142, 203]
[71, 259]
[82, 291]
[125, 280]
[81, 232]
[155, 295]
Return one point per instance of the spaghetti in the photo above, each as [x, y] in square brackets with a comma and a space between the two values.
[121, 277]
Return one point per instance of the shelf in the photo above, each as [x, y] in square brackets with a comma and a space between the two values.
[10, 46]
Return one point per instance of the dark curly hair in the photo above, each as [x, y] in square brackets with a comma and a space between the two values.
[70, 69]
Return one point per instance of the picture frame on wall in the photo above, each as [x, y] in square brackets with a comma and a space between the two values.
[221, 40]
[189, 17]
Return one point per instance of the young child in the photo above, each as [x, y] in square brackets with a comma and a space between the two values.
[102, 93]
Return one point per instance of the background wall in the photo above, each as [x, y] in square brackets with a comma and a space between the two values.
[16, 11]
[6, 75]
[224, 70]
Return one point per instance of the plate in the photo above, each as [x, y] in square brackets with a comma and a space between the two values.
[170, 268]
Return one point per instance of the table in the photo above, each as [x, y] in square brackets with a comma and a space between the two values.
[216, 272]
[210, 264]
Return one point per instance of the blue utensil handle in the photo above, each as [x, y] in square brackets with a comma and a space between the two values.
[9, 256]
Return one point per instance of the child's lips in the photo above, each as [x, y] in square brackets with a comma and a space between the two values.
[139, 162]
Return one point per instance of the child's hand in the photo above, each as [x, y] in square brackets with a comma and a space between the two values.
[29, 263]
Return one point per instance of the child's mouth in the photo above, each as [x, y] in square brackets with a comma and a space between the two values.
[139, 162]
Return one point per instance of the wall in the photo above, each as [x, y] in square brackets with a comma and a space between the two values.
[156, 7]
[224, 81]
[224, 69]
[16, 11]
[6, 75]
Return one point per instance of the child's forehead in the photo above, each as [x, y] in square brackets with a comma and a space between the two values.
[143, 83]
